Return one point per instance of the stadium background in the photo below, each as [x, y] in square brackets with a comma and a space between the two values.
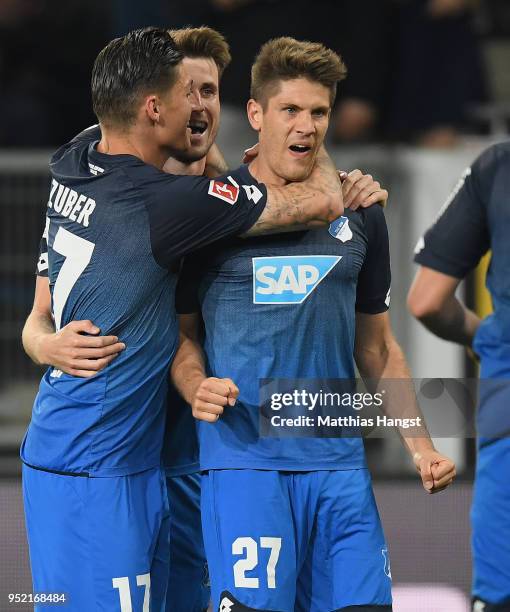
[429, 88]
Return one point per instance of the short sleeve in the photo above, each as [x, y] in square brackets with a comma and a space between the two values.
[192, 212]
[459, 237]
[42, 261]
[374, 280]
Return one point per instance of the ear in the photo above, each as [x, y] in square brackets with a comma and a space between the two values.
[152, 108]
[255, 114]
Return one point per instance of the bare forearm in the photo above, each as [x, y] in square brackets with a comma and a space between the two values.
[388, 362]
[38, 326]
[188, 368]
[453, 322]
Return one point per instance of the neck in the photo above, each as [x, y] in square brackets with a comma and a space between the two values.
[174, 166]
[260, 169]
[132, 143]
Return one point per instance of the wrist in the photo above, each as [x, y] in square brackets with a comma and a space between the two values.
[41, 348]
[193, 382]
[418, 446]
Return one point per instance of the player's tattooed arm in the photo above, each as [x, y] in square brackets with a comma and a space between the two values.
[207, 396]
[358, 189]
[315, 202]
[378, 356]
[76, 349]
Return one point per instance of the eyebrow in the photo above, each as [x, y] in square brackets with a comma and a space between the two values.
[324, 109]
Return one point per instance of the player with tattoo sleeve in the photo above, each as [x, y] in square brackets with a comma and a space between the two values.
[117, 227]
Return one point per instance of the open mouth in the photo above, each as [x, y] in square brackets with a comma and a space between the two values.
[300, 148]
[197, 127]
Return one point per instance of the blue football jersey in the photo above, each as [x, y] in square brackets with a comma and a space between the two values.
[180, 446]
[116, 231]
[284, 307]
[475, 219]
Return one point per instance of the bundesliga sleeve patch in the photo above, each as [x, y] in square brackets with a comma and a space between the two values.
[224, 191]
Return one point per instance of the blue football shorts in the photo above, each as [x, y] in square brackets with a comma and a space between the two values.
[490, 520]
[294, 541]
[188, 583]
[103, 542]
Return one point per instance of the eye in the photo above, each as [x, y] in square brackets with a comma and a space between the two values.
[319, 113]
[207, 92]
[291, 110]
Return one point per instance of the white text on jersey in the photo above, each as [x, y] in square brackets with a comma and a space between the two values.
[69, 203]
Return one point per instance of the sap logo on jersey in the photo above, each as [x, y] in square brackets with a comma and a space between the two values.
[289, 280]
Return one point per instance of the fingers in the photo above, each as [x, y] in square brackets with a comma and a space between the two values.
[80, 373]
[437, 476]
[97, 353]
[83, 326]
[378, 197]
[444, 474]
[440, 469]
[360, 189]
[426, 475]
[349, 189]
[90, 365]
[441, 487]
[80, 341]
[233, 393]
[250, 154]
[212, 396]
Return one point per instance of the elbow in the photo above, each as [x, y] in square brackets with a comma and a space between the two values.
[423, 306]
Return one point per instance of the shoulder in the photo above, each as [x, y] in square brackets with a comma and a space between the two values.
[374, 219]
[491, 161]
[81, 141]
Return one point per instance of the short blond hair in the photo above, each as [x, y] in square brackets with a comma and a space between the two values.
[203, 42]
[285, 58]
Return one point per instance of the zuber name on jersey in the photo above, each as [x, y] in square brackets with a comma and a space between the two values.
[69, 203]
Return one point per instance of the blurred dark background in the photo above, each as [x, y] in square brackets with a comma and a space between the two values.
[420, 71]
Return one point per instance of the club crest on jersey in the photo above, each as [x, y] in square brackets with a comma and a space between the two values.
[340, 229]
[224, 191]
[291, 279]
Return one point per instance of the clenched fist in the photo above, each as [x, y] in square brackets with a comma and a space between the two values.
[211, 397]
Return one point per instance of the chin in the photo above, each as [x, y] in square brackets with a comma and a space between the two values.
[296, 175]
[189, 157]
[192, 154]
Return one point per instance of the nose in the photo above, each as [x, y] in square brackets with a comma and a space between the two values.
[305, 124]
[196, 101]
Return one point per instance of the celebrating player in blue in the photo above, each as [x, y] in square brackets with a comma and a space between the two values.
[117, 226]
[206, 56]
[291, 523]
[474, 220]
